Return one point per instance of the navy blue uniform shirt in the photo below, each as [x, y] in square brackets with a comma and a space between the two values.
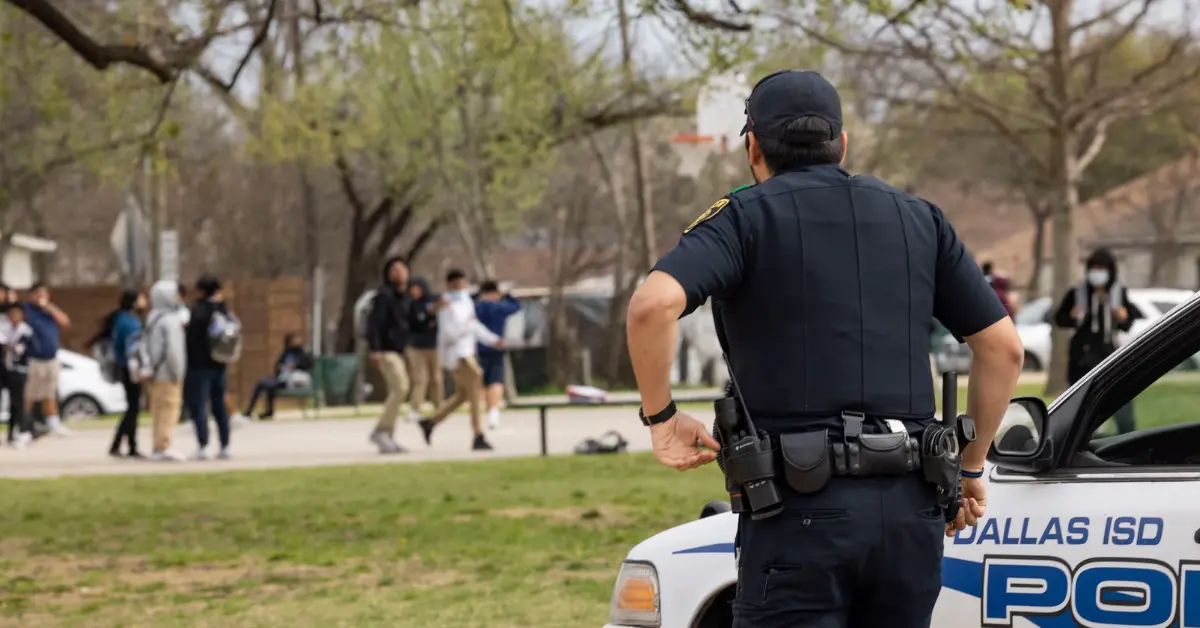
[829, 284]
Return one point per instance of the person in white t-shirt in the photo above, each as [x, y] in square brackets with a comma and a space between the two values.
[458, 332]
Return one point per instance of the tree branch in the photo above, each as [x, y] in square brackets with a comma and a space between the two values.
[99, 56]
[704, 18]
[259, 38]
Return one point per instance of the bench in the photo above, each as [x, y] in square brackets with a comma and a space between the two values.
[331, 382]
[544, 405]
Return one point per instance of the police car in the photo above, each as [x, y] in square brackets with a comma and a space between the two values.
[1082, 530]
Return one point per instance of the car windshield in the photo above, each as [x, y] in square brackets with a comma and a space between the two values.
[1033, 313]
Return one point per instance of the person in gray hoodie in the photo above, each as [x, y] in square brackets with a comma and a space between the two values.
[167, 349]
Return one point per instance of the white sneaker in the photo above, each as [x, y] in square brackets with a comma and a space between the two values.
[200, 455]
[239, 421]
[493, 418]
[413, 416]
[22, 440]
[57, 428]
[166, 456]
[224, 454]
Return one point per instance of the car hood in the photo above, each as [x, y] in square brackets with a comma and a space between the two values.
[710, 535]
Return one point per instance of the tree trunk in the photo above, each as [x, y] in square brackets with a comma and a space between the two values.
[640, 185]
[1034, 289]
[1064, 185]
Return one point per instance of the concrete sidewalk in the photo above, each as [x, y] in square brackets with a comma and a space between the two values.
[317, 442]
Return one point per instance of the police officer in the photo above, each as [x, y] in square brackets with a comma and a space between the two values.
[827, 285]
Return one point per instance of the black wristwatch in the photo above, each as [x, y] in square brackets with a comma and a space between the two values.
[654, 419]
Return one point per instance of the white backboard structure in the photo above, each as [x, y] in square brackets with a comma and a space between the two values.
[721, 110]
[720, 114]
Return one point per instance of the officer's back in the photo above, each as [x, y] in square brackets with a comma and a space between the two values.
[825, 287]
[838, 305]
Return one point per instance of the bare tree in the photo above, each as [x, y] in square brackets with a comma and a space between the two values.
[1053, 54]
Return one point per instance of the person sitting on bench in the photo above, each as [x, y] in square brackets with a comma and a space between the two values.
[291, 369]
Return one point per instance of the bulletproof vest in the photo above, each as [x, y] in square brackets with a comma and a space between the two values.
[835, 308]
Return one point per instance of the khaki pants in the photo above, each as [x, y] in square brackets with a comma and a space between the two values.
[395, 375]
[468, 384]
[166, 402]
[426, 371]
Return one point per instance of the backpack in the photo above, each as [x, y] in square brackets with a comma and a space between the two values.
[137, 355]
[104, 352]
[362, 313]
[224, 338]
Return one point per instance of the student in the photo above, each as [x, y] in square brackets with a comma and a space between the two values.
[166, 346]
[423, 364]
[47, 322]
[1097, 309]
[294, 359]
[493, 309]
[387, 338]
[17, 338]
[205, 387]
[458, 332]
[120, 327]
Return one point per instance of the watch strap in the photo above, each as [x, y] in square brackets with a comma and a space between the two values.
[660, 417]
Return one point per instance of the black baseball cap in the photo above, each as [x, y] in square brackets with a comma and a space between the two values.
[787, 95]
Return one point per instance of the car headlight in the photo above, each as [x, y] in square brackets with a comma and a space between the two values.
[635, 596]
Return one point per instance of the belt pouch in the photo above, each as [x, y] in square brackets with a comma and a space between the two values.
[806, 464]
[886, 454]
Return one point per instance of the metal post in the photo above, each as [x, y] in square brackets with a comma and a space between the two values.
[542, 424]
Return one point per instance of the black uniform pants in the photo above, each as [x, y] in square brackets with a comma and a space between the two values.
[862, 553]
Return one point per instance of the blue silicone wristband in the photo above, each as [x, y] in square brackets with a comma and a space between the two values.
[972, 474]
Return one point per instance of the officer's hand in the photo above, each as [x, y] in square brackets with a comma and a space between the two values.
[974, 504]
[675, 443]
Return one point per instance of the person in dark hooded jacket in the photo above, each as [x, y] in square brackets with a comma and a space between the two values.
[388, 329]
[428, 384]
[1097, 310]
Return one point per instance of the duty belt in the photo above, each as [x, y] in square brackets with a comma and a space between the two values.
[810, 459]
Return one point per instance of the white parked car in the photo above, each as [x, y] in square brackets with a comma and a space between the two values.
[82, 391]
[1081, 530]
[1033, 323]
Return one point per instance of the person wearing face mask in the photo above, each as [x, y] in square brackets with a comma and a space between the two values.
[458, 332]
[1097, 309]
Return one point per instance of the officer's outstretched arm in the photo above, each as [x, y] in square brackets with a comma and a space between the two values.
[996, 357]
[651, 327]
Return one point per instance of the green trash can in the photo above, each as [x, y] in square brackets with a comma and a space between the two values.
[335, 376]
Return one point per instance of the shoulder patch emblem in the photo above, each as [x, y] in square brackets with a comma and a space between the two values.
[708, 213]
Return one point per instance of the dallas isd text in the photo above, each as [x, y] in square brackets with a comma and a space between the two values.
[1064, 531]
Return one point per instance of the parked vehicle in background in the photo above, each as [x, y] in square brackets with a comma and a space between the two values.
[1033, 324]
[83, 392]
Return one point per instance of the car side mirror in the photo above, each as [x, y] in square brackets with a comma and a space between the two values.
[1021, 444]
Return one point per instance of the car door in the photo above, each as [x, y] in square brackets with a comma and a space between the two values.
[1104, 539]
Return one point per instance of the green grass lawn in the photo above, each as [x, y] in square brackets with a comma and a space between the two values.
[532, 542]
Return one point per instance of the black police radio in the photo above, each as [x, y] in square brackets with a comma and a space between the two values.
[941, 448]
[745, 458]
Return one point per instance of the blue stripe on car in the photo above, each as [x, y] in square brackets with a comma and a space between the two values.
[960, 575]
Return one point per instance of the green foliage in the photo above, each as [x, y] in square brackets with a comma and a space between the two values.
[57, 111]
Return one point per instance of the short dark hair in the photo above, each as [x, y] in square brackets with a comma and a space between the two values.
[455, 274]
[208, 285]
[41, 284]
[798, 148]
[128, 299]
[489, 285]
